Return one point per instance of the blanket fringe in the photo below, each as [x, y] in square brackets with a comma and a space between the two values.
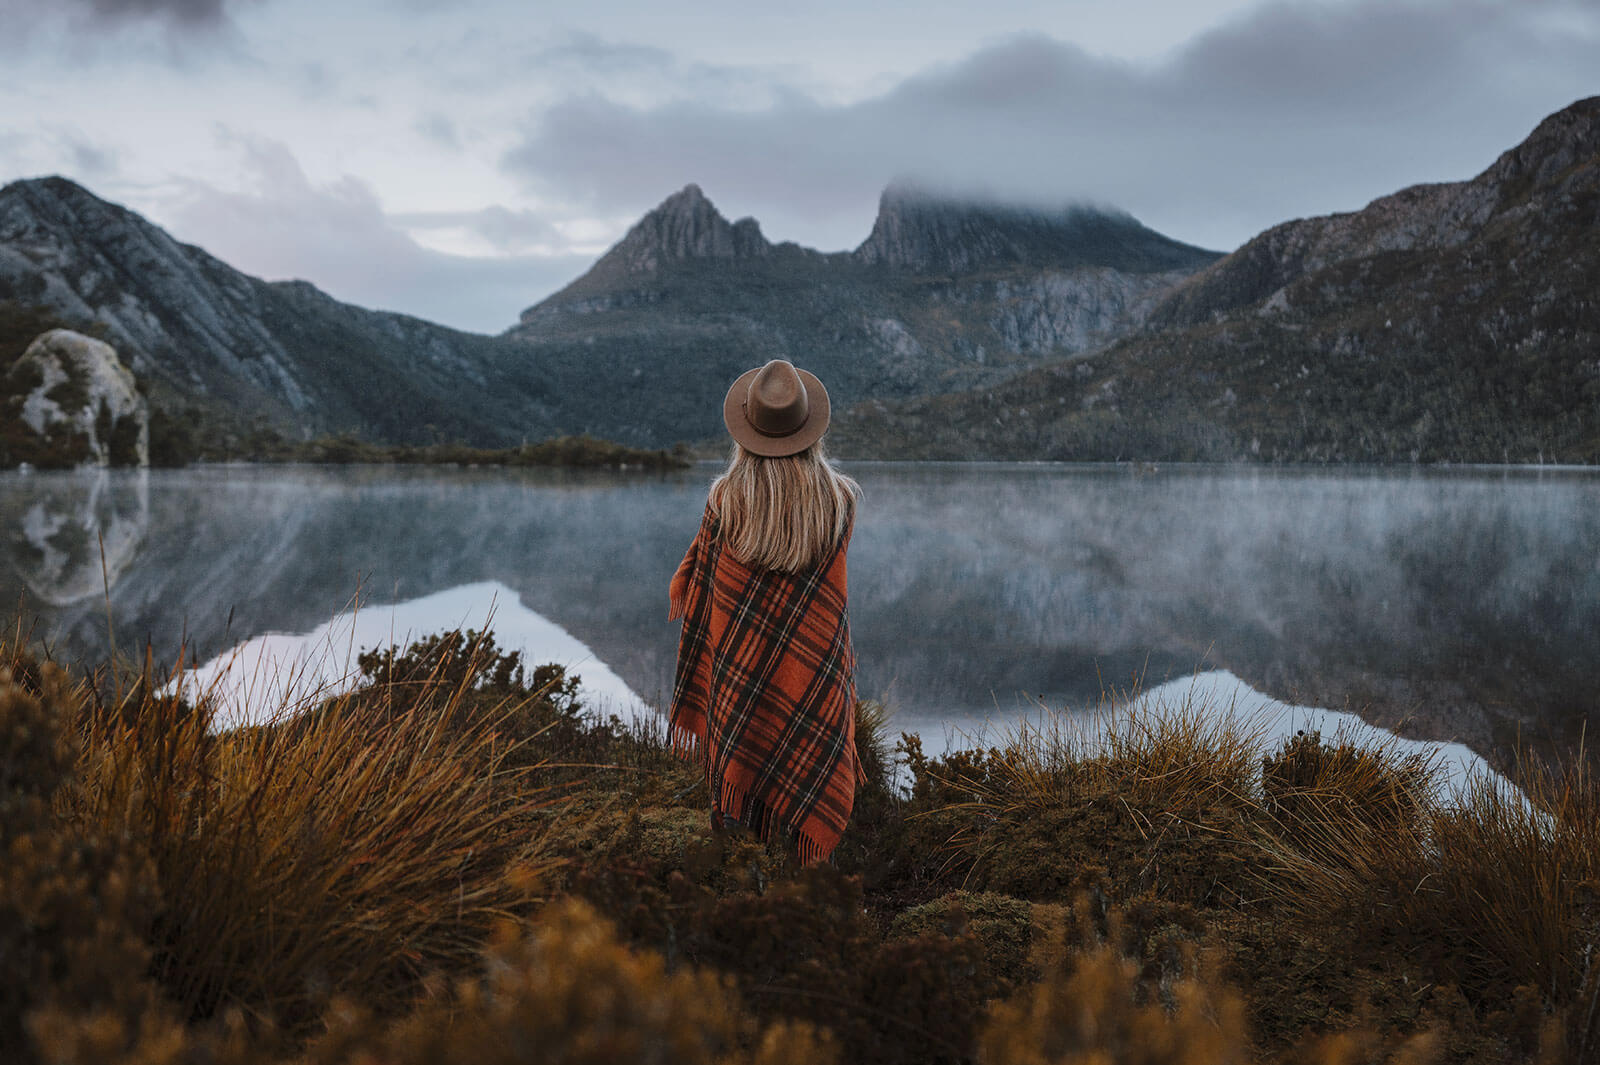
[738, 802]
[685, 743]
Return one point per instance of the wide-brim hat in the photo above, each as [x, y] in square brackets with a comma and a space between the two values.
[776, 410]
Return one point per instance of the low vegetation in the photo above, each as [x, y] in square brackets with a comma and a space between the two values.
[457, 863]
[586, 452]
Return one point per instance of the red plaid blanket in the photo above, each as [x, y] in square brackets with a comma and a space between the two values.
[765, 692]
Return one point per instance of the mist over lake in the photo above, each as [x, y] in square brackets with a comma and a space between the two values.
[1453, 603]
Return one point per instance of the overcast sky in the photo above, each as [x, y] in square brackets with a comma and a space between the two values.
[461, 160]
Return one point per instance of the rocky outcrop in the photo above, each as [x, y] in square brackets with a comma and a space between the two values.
[1066, 313]
[925, 233]
[80, 402]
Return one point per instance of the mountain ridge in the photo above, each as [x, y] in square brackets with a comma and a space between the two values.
[685, 296]
[1428, 216]
[689, 297]
[199, 333]
[1449, 322]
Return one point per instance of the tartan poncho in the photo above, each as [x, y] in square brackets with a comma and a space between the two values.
[764, 696]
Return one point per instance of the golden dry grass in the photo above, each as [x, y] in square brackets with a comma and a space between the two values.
[353, 847]
[1178, 755]
[1092, 1014]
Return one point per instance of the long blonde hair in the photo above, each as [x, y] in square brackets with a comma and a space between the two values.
[783, 513]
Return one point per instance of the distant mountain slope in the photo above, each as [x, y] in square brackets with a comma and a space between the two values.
[1451, 322]
[199, 332]
[943, 295]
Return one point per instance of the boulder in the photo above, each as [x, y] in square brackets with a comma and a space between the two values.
[81, 402]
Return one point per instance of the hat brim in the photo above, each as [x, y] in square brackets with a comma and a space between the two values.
[756, 442]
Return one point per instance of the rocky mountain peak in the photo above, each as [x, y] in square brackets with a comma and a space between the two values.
[926, 232]
[684, 226]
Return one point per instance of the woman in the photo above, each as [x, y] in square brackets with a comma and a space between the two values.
[765, 689]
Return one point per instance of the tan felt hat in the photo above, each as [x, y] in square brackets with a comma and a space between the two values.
[776, 410]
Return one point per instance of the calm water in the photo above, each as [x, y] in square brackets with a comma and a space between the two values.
[1465, 604]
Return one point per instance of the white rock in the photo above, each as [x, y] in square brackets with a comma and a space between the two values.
[62, 355]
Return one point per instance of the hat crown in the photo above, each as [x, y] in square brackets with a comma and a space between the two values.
[776, 409]
[777, 404]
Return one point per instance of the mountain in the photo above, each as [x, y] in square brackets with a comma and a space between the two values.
[945, 294]
[1447, 322]
[199, 333]
[926, 233]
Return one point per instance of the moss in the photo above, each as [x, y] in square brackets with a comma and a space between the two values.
[1004, 927]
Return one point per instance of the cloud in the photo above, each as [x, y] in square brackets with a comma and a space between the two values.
[531, 63]
[172, 32]
[439, 129]
[90, 160]
[337, 236]
[502, 229]
[1291, 110]
[179, 12]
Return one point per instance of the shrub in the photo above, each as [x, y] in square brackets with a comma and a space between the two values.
[803, 949]
[1092, 1013]
[1373, 784]
[564, 992]
[1003, 927]
[74, 902]
[457, 660]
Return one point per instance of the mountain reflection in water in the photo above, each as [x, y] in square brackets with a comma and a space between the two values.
[1465, 604]
[277, 674]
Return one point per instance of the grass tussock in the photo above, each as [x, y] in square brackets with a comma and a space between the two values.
[1334, 799]
[1181, 755]
[1131, 798]
[353, 849]
[1500, 892]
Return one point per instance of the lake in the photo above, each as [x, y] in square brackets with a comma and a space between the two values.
[1446, 603]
